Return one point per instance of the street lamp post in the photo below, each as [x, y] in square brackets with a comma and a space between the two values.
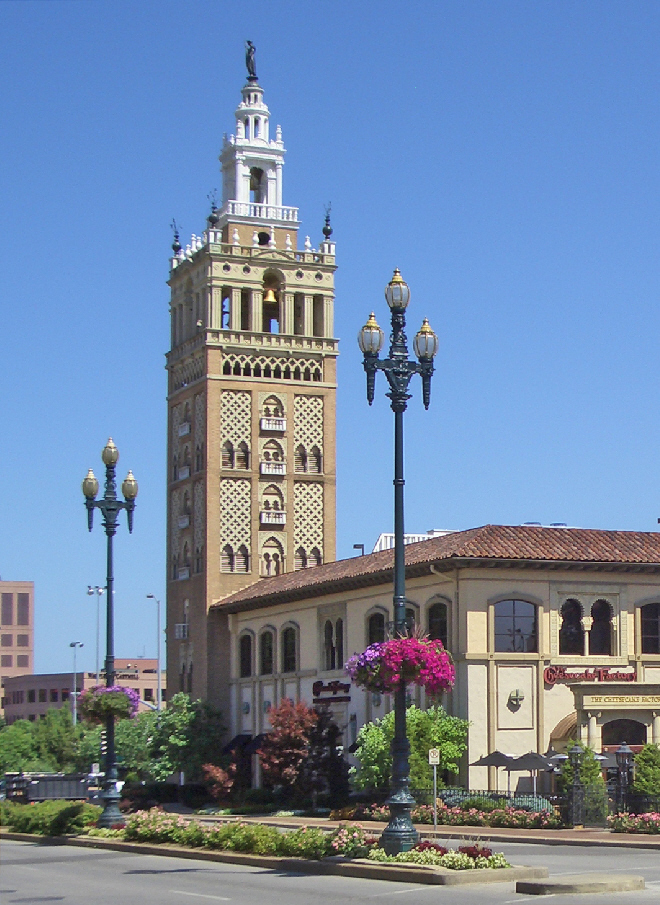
[98, 591]
[399, 835]
[159, 692]
[75, 645]
[624, 758]
[110, 508]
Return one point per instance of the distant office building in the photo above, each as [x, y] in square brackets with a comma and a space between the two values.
[16, 628]
[28, 697]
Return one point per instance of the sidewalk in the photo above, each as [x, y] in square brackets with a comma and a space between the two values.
[587, 836]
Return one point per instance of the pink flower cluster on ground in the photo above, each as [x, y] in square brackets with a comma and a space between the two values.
[635, 823]
[383, 666]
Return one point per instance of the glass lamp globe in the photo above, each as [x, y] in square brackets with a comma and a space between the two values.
[110, 453]
[397, 292]
[425, 342]
[129, 487]
[90, 486]
[371, 337]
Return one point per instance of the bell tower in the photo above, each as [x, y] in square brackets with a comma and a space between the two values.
[251, 400]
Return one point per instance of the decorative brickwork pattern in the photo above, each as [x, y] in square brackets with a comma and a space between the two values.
[198, 515]
[308, 515]
[235, 512]
[299, 369]
[236, 417]
[200, 418]
[175, 505]
[187, 372]
[308, 421]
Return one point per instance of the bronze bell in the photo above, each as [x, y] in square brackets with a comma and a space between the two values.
[269, 296]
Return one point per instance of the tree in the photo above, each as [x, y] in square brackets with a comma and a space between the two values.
[647, 771]
[286, 746]
[325, 770]
[57, 739]
[18, 749]
[186, 735]
[591, 775]
[432, 728]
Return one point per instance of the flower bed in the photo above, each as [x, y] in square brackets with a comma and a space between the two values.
[635, 823]
[348, 840]
[98, 703]
[383, 666]
[499, 817]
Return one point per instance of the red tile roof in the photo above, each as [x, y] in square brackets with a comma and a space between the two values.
[511, 544]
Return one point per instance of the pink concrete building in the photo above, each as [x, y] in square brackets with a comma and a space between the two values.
[28, 697]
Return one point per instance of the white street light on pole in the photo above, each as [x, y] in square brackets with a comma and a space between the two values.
[75, 645]
[159, 692]
[95, 589]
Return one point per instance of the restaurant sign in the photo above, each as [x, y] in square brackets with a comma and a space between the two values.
[553, 674]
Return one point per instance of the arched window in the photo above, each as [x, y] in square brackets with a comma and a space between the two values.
[329, 645]
[256, 183]
[289, 652]
[339, 642]
[242, 457]
[600, 635]
[182, 678]
[186, 554]
[272, 499]
[175, 468]
[272, 407]
[315, 558]
[317, 315]
[314, 463]
[227, 559]
[227, 454]
[272, 557]
[245, 656]
[515, 627]
[650, 616]
[199, 457]
[411, 620]
[376, 628]
[437, 622]
[273, 452]
[242, 559]
[266, 653]
[300, 559]
[300, 459]
[190, 679]
[571, 633]
[199, 559]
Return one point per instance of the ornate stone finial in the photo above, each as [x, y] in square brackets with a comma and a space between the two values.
[250, 51]
[255, 239]
[176, 245]
[288, 243]
[236, 238]
[327, 229]
[308, 243]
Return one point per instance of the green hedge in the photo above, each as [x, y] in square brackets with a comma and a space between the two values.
[49, 818]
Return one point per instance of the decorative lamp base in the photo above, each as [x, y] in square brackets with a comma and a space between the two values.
[399, 835]
[111, 817]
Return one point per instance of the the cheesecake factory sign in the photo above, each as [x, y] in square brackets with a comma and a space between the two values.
[554, 674]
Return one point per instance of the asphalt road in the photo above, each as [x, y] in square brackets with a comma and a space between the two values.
[35, 873]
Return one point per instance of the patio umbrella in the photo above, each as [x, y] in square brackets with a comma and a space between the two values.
[532, 762]
[496, 759]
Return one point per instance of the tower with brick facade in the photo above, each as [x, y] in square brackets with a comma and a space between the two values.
[251, 401]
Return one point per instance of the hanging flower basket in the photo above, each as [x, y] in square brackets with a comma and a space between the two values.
[98, 703]
[382, 667]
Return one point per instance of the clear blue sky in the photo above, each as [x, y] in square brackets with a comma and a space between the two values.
[504, 155]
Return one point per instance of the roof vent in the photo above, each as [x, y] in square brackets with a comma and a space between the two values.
[532, 525]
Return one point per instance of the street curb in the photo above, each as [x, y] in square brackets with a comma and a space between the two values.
[581, 883]
[359, 867]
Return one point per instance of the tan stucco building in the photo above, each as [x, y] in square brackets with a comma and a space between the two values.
[555, 633]
[16, 631]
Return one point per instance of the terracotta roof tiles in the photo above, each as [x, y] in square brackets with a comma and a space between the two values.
[510, 543]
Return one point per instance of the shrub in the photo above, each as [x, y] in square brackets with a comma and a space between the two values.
[453, 860]
[50, 818]
[350, 840]
[307, 842]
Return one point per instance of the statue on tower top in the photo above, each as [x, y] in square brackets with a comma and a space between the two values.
[249, 61]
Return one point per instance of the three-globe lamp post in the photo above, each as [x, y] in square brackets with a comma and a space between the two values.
[399, 835]
[110, 508]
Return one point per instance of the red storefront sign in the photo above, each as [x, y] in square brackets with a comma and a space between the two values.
[553, 674]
